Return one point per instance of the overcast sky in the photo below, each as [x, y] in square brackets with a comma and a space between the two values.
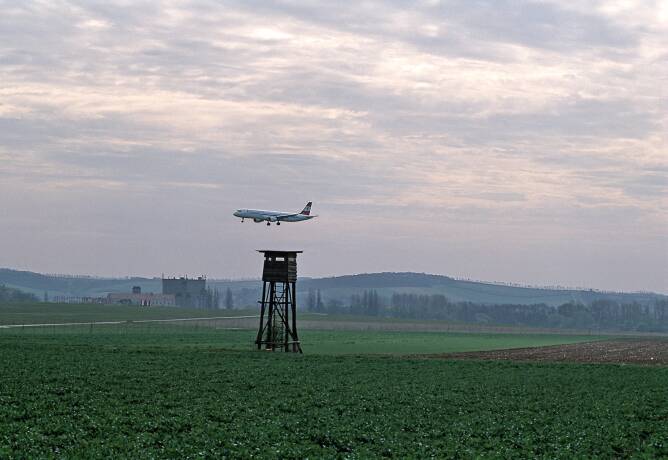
[521, 141]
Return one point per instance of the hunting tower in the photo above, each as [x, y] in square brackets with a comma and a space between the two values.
[278, 307]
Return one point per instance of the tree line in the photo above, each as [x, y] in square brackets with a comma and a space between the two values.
[214, 299]
[8, 294]
[600, 314]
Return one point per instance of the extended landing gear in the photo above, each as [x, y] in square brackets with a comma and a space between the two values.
[278, 223]
[268, 224]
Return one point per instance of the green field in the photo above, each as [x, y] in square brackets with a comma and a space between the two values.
[406, 343]
[175, 390]
[64, 313]
[314, 342]
[215, 332]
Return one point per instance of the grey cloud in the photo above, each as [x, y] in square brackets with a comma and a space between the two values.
[538, 24]
[466, 24]
[29, 132]
[647, 185]
[571, 118]
[580, 117]
[503, 196]
[154, 168]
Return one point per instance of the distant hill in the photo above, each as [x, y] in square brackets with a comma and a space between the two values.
[73, 286]
[468, 291]
[13, 295]
[333, 289]
[465, 291]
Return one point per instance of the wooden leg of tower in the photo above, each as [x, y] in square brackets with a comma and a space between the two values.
[258, 339]
[296, 346]
[271, 330]
[288, 316]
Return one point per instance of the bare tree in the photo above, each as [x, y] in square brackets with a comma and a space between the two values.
[229, 299]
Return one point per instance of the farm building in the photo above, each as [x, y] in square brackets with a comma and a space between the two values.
[136, 297]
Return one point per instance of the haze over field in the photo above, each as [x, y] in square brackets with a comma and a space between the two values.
[513, 141]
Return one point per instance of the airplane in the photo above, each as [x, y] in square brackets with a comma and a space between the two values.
[275, 216]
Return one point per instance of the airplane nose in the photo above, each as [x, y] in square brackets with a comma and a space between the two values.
[236, 213]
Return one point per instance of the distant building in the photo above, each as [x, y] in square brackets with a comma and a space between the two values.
[188, 292]
[144, 300]
[77, 299]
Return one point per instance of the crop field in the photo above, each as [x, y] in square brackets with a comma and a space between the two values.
[171, 390]
[64, 313]
[233, 330]
[215, 334]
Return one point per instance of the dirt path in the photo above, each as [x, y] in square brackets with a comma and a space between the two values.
[621, 351]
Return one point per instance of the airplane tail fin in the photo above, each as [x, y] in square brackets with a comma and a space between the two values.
[307, 209]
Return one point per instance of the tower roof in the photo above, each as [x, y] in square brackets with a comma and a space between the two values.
[271, 252]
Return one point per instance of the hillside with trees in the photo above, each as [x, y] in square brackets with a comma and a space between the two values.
[11, 295]
[397, 295]
[602, 314]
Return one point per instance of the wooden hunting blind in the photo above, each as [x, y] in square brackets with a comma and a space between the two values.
[278, 307]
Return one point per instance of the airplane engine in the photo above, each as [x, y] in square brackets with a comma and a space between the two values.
[256, 220]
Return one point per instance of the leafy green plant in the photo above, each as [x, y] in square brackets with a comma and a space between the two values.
[157, 394]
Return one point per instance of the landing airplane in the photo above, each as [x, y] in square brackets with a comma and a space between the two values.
[275, 216]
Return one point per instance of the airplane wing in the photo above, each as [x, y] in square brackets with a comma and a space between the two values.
[284, 216]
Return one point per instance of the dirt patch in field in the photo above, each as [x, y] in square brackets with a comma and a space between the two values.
[624, 351]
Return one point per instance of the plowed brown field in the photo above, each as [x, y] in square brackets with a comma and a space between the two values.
[621, 351]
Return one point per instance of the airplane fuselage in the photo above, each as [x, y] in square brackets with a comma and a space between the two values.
[259, 215]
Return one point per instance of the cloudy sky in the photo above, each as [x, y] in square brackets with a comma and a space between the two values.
[509, 140]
